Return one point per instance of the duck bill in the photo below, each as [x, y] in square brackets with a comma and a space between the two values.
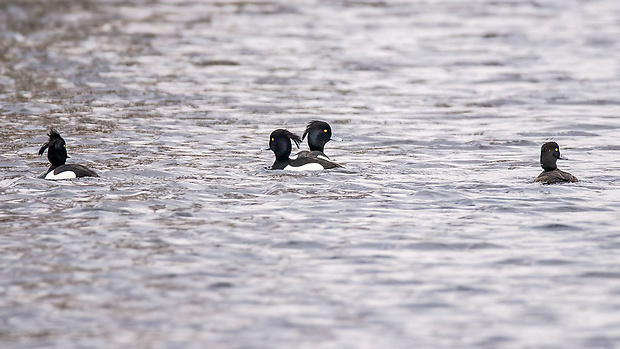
[562, 158]
[336, 138]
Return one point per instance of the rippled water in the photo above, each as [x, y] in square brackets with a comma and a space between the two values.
[432, 236]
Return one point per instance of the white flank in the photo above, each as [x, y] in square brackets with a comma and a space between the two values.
[313, 166]
[61, 175]
[293, 157]
[323, 157]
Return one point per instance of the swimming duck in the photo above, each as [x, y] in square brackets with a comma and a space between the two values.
[549, 155]
[280, 143]
[319, 133]
[57, 155]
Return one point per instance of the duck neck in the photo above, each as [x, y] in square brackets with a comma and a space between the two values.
[56, 159]
[314, 147]
[548, 163]
[283, 150]
[52, 168]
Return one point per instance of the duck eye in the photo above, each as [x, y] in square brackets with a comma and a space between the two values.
[325, 130]
[556, 149]
[272, 139]
[64, 145]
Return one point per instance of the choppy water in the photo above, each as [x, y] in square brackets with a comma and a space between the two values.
[432, 236]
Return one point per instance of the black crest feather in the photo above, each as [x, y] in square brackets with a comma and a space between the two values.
[311, 125]
[53, 135]
[295, 138]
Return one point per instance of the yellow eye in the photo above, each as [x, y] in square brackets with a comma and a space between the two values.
[273, 139]
[325, 130]
[64, 145]
[556, 149]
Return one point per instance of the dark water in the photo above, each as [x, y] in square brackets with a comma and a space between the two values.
[432, 236]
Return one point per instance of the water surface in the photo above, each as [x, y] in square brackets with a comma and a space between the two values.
[431, 236]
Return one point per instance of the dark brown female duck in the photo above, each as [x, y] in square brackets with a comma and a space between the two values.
[549, 155]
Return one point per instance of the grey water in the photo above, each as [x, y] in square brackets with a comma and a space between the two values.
[432, 236]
